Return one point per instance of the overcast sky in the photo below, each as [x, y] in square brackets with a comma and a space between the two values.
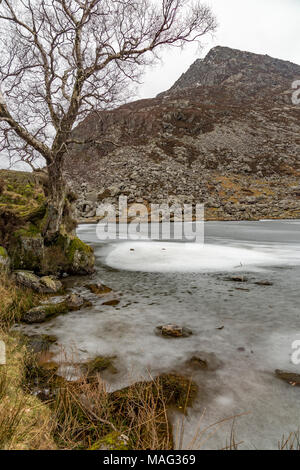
[262, 26]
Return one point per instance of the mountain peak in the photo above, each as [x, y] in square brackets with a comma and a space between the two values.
[225, 65]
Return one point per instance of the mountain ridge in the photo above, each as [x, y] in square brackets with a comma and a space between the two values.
[225, 132]
[231, 61]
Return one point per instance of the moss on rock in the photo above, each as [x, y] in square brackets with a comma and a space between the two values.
[112, 441]
[23, 211]
[27, 249]
[80, 256]
[43, 285]
[44, 312]
[4, 259]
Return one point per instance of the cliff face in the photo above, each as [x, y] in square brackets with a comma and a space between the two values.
[226, 133]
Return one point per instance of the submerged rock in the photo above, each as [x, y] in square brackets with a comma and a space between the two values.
[264, 283]
[237, 279]
[203, 361]
[99, 364]
[174, 331]
[40, 343]
[290, 377]
[112, 303]
[99, 289]
[197, 362]
[76, 302]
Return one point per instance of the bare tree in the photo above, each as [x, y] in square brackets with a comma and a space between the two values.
[62, 59]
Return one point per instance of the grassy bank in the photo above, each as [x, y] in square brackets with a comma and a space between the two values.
[25, 422]
[81, 414]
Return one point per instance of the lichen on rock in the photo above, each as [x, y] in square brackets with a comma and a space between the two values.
[81, 257]
[43, 285]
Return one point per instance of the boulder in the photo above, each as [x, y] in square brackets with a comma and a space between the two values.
[27, 250]
[29, 280]
[43, 285]
[76, 302]
[68, 255]
[81, 257]
[44, 312]
[51, 285]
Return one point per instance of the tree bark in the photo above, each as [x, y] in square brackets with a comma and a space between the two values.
[56, 201]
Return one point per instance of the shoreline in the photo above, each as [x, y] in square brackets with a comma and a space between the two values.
[95, 220]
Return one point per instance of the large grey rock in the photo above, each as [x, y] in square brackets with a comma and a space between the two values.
[28, 252]
[44, 312]
[43, 285]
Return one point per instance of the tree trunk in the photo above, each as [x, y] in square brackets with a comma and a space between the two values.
[56, 201]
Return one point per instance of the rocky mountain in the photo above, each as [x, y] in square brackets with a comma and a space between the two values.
[226, 134]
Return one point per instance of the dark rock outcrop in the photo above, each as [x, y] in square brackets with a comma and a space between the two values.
[23, 211]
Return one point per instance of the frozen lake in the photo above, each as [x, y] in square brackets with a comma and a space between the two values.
[185, 283]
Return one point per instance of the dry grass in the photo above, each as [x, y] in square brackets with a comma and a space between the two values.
[14, 301]
[25, 422]
[87, 414]
[292, 442]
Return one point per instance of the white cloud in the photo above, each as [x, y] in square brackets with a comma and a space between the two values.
[261, 26]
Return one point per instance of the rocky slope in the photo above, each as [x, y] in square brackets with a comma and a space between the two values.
[226, 134]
